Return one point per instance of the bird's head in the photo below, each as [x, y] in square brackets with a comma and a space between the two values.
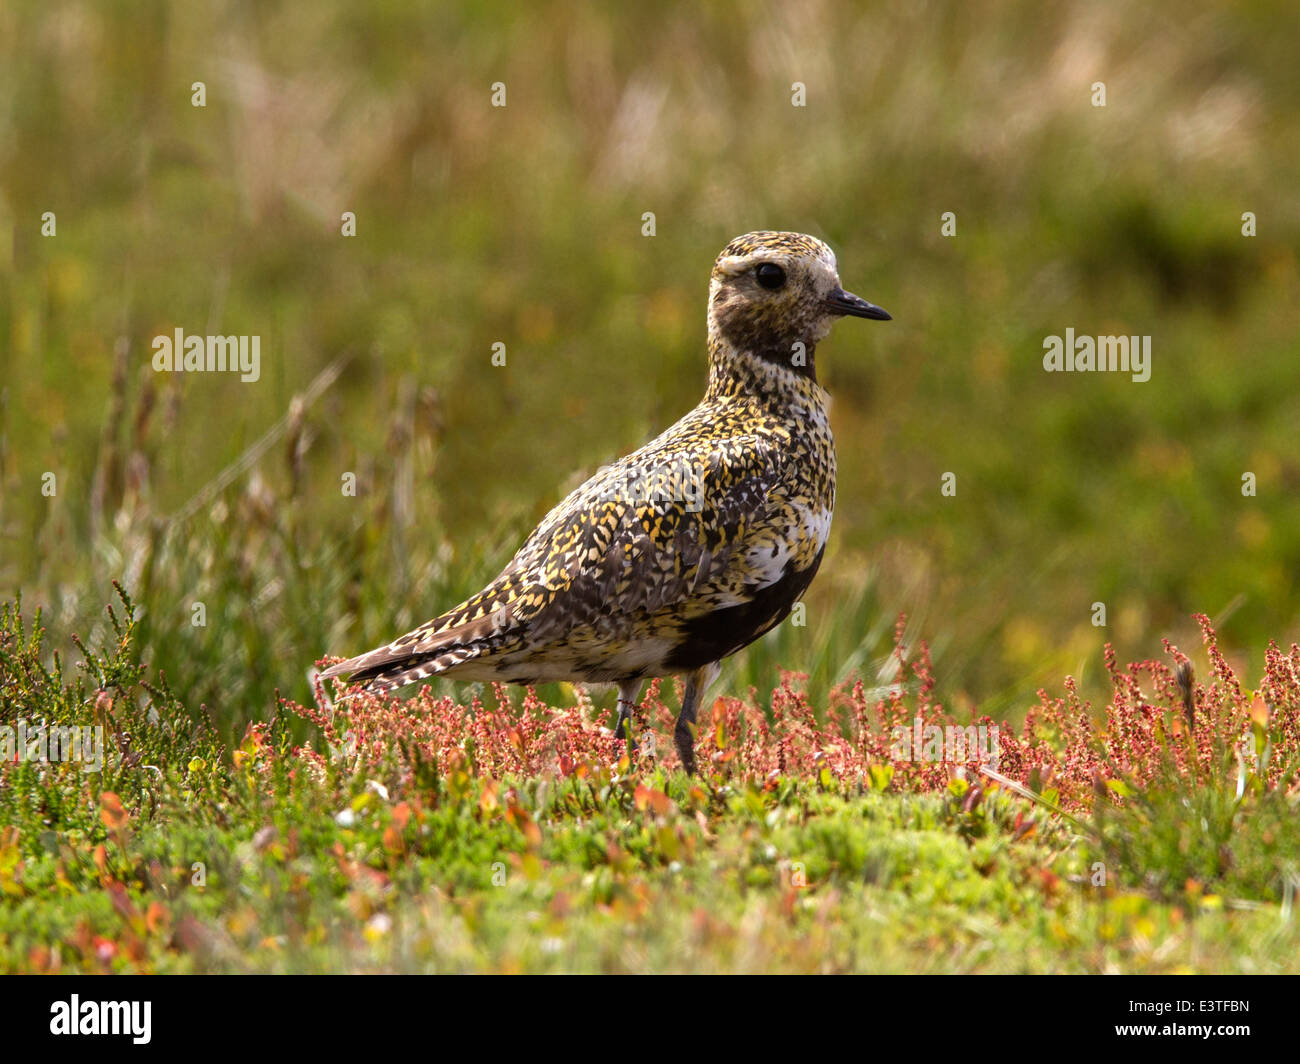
[772, 291]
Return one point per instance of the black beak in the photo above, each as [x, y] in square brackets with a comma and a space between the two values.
[842, 302]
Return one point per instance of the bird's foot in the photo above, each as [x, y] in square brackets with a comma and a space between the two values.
[684, 739]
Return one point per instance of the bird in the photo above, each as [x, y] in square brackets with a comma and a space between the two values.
[687, 550]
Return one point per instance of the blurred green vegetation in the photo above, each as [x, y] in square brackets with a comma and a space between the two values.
[523, 225]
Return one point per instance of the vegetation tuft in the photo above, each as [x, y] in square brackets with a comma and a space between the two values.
[430, 835]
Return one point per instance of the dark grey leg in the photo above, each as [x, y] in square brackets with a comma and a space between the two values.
[697, 683]
[628, 692]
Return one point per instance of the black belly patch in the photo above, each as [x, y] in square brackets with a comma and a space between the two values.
[722, 632]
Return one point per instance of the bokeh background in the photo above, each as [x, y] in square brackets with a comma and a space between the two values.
[523, 225]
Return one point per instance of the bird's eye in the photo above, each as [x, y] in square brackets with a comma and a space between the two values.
[770, 275]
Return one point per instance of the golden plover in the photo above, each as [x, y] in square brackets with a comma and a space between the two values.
[692, 547]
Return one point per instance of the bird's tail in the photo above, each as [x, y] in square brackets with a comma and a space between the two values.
[430, 650]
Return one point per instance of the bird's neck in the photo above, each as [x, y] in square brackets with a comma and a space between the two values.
[741, 374]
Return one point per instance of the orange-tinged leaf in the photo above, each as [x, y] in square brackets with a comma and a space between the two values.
[517, 815]
[111, 811]
[649, 798]
[254, 738]
[157, 917]
[1024, 826]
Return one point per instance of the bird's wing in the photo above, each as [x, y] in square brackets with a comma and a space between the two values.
[662, 529]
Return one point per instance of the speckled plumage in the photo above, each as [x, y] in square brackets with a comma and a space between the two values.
[693, 546]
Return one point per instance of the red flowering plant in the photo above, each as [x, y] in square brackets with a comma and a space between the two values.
[1159, 725]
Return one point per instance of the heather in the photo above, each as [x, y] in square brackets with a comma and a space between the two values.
[441, 835]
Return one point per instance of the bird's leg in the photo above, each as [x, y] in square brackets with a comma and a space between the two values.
[684, 731]
[628, 692]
